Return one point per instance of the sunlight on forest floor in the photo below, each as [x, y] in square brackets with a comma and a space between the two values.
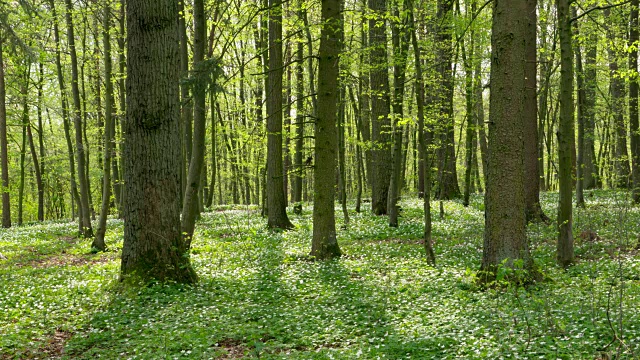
[259, 297]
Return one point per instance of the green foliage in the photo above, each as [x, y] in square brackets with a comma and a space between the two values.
[260, 297]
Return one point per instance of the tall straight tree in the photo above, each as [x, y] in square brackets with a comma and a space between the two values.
[565, 137]
[447, 173]
[400, 41]
[380, 108]
[505, 224]
[530, 120]
[633, 101]
[109, 131]
[4, 157]
[276, 204]
[83, 181]
[190, 208]
[153, 245]
[325, 244]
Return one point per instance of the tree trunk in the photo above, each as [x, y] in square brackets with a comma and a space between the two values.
[565, 135]
[23, 147]
[190, 206]
[39, 168]
[633, 100]
[448, 176]
[324, 244]
[153, 246]
[186, 114]
[424, 140]
[297, 157]
[590, 169]
[505, 236]
[470, 114]
[616, 90]
[400, 40]
[4, 157]
[83, 206]
[533, 210]
[75, 197]
[276, 205]
[99, 243]
[381, 124]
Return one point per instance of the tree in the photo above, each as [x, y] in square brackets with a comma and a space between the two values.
[530, 121]
[109, 132]
[4, 157]
[83, 181]
[505, 236]
[325, 244]
[633, 101]
[190, 209]
[380, 109]
[565, 137]
[153, 246]
[276, 204]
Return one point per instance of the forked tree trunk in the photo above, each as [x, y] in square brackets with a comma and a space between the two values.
[153, 245]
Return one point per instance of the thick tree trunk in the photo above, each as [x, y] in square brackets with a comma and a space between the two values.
[4, 155]
[276, 204]
[565, 135]
[190, 206]
[505, 223]
[380, 108]
[83, 206]
[153, 246]
[324, 244]
[99, 243]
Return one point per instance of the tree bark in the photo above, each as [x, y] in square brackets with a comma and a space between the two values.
[505, 236]
[153, 246]
[533, 209]
[190, 206]
[297, 157]
[565, 135]
[380, 109]
[447, 173]
[400, 40]
[276, 205]
[633, 100]
[4, 155]
[83, 206]
[99, 243]
[324, 244]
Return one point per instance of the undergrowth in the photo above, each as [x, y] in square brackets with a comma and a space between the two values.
[259, 296]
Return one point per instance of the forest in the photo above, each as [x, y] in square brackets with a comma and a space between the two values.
[319, 179]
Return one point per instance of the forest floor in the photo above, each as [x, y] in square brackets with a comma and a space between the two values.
[259, 296]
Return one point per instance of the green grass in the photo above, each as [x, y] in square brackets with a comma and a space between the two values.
[259, 297]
